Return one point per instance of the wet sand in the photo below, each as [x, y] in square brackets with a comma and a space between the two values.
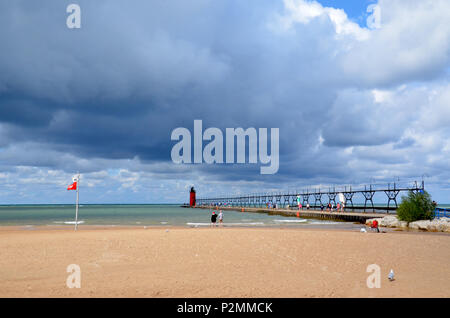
[220, 262]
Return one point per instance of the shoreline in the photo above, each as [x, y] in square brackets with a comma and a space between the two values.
[341, 226]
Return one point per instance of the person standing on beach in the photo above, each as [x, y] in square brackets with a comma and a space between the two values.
[221, 218]
[213, 219]
[375, 226]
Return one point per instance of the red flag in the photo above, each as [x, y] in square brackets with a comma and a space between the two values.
[73, 186]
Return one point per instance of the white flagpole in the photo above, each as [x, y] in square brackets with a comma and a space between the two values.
[76, 208]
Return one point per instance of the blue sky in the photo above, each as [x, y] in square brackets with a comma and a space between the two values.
[354, 103]
[356, 10]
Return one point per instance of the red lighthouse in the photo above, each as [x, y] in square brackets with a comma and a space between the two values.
[192, 197]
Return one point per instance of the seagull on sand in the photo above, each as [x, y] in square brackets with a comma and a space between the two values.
[391, 275]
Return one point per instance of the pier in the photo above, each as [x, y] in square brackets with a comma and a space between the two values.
[316, 214]
[286, 203]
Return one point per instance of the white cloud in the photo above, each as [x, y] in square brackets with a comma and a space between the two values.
[411, 45]
[302, 11]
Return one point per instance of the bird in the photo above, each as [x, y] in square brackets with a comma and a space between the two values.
[391, 275]
[363, 230]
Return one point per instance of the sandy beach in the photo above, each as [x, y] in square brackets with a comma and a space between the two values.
[221, 262]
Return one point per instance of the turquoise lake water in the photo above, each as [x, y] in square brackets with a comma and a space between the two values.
[145, 215]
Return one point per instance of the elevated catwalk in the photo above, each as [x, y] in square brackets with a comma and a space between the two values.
[315, 198]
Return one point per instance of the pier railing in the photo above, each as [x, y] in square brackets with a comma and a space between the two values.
[318, 197]
[441, 212]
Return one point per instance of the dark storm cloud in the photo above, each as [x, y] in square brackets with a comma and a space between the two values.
[24, 112]
[117, 87]
[114, 90]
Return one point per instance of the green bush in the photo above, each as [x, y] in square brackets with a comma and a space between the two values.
[415, 206]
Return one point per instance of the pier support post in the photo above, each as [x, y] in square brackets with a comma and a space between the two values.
[368, 195]
[332, 196]
[263, 200]
[294, 200]
[285, 200]
[348, 198]
[270, 200]
[392, 196]
[278, 200]
[305, 198]
[317, 198]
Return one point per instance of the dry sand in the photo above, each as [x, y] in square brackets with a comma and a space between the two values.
[221, 262]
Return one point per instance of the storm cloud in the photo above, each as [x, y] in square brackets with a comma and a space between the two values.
[353, 103]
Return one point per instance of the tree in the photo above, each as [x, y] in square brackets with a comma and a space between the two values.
[416, 206]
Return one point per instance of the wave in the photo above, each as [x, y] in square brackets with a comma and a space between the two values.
[73, 222]
[226, 224]
[325, 222]
[291, 221]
